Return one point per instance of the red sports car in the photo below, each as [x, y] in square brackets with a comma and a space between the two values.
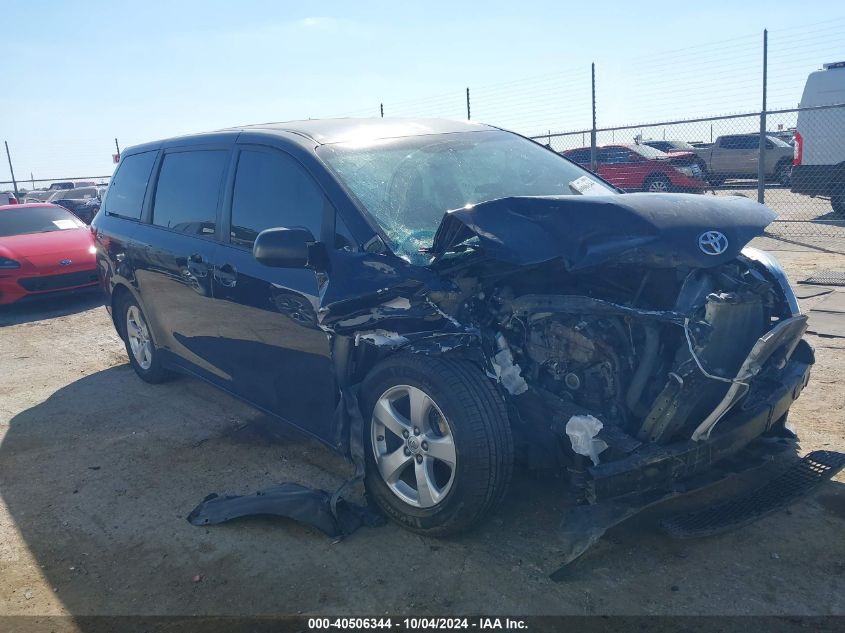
[43, 249]
[643, 168]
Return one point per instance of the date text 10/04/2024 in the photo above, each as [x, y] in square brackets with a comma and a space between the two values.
[417, 624]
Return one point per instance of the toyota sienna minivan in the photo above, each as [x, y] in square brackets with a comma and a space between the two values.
[437, 299]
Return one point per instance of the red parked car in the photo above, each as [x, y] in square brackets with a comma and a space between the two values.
[43, 249]
[643, 168]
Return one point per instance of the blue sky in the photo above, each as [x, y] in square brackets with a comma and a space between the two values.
[86, 72]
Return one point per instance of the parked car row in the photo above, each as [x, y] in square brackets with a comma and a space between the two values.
[83, 199]
[643, 168]
[737, 156]
[672, 165]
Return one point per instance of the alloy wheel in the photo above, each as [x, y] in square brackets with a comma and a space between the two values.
[138, 335]
[413, 446]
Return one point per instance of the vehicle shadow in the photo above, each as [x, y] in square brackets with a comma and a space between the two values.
[831, 218]
[50, 307]
[99, 478]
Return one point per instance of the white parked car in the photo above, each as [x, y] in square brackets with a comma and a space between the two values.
[819, 153]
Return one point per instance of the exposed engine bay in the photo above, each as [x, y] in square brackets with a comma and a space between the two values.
[648, 351]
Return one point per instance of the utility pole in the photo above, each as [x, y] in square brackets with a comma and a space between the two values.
[468, 117]
[761, 152]
[593, 159]
[11, 169]
[381, 109]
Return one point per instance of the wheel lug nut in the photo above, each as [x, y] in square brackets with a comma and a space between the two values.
[425, 446]
[380, 438]
[405, 434]
[419, 459]
[407, 451]
[416, 430]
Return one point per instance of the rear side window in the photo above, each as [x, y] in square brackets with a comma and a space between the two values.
[613, 155]
[188, 191]
[741, 142]
[126, 192]
[272, 189]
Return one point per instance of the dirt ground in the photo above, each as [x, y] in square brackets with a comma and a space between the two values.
[98, 471]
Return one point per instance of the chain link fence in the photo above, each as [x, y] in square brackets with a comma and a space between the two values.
[724, 155]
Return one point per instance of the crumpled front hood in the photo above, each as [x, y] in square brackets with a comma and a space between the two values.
[658, 229]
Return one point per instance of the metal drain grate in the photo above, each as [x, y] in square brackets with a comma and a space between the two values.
[783, 490]
[826, 278]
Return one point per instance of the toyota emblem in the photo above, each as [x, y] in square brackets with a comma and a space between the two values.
[66, 262]
[712, 243]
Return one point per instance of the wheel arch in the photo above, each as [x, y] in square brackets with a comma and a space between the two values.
[367, 354]
[657, 175]
[355, 358]
[118, 293]
[784, 160]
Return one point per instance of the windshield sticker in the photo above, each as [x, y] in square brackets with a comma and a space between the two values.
[587, 187]
[65, 224]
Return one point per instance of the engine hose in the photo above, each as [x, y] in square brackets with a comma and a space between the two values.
[644, 369]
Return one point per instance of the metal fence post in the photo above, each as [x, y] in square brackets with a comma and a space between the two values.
[11, 169]
[593, 160]
[468, 117]
[761, 152]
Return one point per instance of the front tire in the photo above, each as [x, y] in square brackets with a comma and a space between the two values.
[143, 355]
[438, 443]
[657, 184]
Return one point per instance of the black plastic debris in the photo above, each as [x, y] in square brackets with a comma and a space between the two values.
[293, 501]
[826, 278]
[780, 492]
[328, 512]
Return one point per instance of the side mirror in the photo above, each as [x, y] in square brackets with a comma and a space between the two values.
[283, 247]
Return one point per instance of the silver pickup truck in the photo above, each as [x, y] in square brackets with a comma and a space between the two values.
[735, 156]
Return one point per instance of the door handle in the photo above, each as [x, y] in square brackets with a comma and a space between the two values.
[197, 266]
[226, 275]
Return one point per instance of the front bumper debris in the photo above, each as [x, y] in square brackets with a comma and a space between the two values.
[617, 490]
[800, 479]
[655, 466]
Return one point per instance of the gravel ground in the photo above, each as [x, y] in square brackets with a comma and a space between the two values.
[98, 471]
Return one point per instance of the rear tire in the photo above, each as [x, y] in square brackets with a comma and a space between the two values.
[135, 331]
[438, 403]
[783, 173]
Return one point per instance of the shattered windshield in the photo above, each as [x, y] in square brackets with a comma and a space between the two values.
[407, 184]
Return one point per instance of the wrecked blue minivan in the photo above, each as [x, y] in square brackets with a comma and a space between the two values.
[437, 300]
